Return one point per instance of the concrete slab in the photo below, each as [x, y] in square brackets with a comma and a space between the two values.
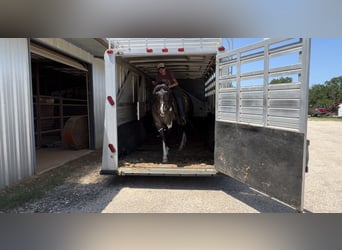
[49, 158]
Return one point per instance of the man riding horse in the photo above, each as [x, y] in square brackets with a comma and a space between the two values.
[167, 77]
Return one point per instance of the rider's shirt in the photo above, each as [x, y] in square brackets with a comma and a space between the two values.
[168, 78]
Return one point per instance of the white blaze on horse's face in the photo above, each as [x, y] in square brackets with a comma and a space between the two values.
[162, 108]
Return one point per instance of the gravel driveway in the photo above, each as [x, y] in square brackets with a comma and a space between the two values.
[87, 191]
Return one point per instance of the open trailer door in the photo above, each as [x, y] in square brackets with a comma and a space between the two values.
[261, 117]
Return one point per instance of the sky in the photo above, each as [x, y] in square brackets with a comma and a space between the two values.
[325, 57]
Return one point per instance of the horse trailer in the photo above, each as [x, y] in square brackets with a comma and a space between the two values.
[249, 117]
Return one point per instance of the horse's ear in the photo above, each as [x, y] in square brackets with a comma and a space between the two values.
[155, 90]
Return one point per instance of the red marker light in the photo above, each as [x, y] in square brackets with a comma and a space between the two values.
[110, 100]
[221, 48]
[165, 50]
[112, 148]
[181, 49]
[110, 51]
[149, 50]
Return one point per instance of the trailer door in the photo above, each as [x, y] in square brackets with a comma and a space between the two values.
[261, 117]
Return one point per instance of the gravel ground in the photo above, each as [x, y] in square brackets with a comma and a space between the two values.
[323, 183]
[87, 191]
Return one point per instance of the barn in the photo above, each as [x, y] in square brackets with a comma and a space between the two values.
[52, 93]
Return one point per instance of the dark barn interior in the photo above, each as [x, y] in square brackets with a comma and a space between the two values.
[59, 97]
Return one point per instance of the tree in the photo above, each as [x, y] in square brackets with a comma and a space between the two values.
[281, 80]
[335, 88]
[327, 93]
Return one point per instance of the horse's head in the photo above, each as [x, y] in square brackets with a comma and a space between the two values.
[163, 99]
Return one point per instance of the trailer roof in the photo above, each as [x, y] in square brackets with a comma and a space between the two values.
[188, 58]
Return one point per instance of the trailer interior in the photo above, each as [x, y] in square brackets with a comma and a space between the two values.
[140, 147]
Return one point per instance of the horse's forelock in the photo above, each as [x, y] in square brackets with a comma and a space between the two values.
[160, 86]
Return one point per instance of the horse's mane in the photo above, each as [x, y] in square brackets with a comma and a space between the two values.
[160, 86]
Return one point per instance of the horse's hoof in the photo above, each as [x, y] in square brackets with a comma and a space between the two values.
[164, 160]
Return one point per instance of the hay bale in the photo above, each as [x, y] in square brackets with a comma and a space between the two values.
[76, 133]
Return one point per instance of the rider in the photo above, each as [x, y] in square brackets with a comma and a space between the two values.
[166, 76]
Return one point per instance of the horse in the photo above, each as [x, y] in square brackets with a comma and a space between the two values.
[165, 114]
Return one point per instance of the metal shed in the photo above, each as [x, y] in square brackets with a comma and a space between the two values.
[18, 110]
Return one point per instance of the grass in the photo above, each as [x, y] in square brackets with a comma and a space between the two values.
[32, 188]
[325, 118]
[36, 187]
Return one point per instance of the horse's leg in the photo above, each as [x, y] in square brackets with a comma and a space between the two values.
[165, 147]
[165, 151]
[183, 141]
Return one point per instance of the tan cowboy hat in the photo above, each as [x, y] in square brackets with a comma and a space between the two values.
[161, 65]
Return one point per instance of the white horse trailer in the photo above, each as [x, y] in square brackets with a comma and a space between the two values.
[256, 97]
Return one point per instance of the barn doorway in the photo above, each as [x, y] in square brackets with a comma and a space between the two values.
[61, 103]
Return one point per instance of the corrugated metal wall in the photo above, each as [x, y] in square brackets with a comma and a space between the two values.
[127, 81]
[17, 147]
[17, 150]
[99, 100]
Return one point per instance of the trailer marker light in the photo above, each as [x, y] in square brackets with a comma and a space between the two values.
[149, 50]
[181, 49]
[110, 100]
[112, 148]
[221, 48]
[110, 51]
[165, 50]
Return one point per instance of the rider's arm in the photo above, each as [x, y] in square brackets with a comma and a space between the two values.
[174, 82]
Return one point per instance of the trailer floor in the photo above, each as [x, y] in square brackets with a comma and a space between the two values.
[195, 159]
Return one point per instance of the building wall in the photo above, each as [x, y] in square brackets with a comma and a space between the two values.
[17, 150]
[99, 94]
[17, 146]
[67, 48]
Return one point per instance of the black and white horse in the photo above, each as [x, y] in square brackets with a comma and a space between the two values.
[165, 114]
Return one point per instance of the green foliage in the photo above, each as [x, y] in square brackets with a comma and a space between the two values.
[31, 189]
[281, 80]
[327, 93]
[325, 118]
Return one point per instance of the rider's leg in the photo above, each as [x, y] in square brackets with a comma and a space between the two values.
[178, 95]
